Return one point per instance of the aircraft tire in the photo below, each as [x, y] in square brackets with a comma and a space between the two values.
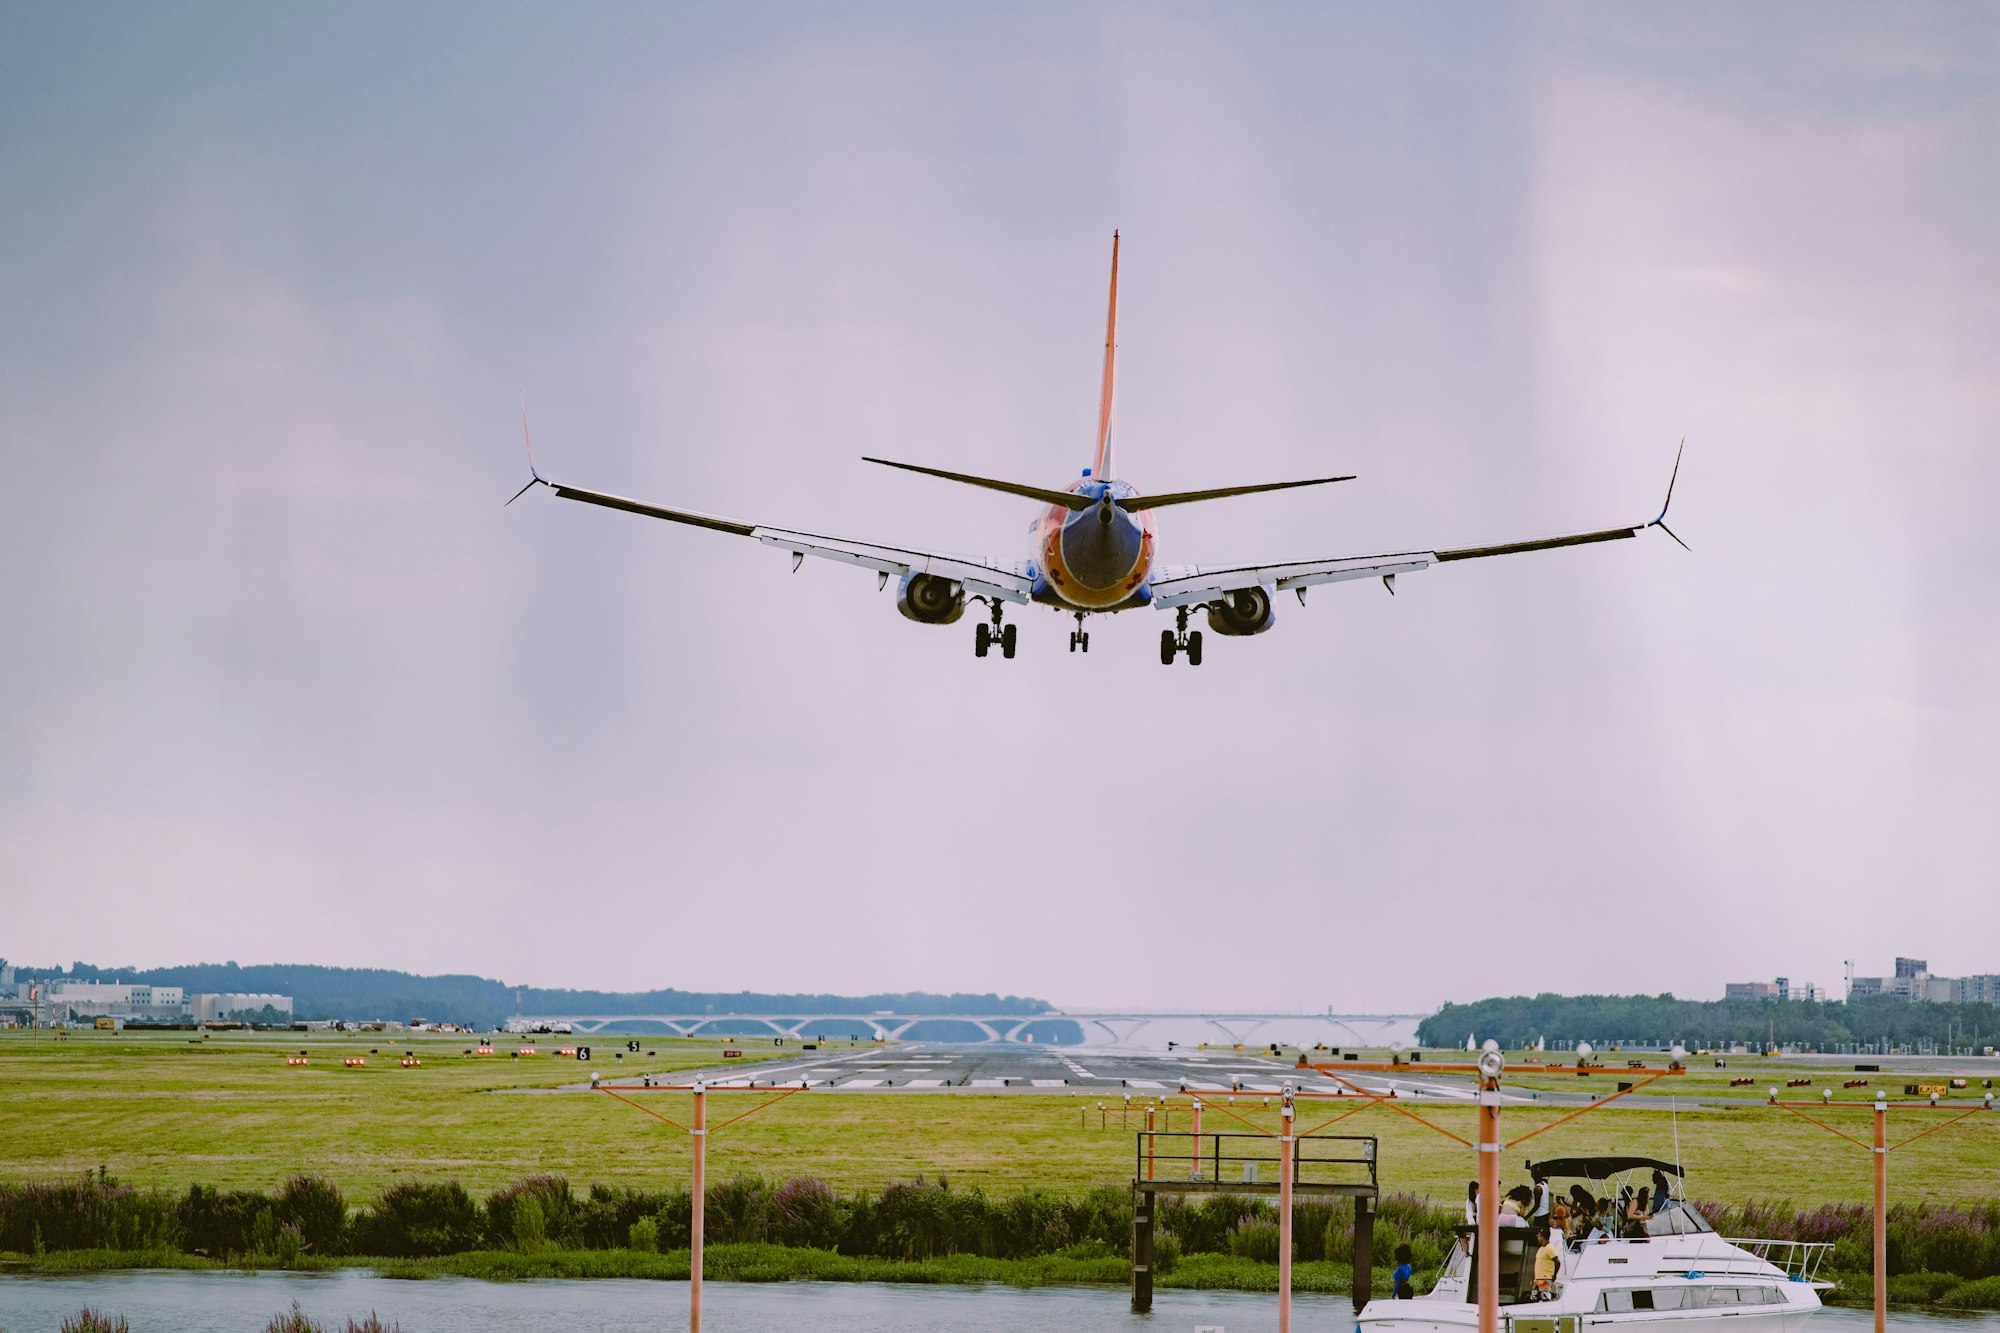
[1194, 648]
[1007, 643]
[982, 639]
[1167, 647]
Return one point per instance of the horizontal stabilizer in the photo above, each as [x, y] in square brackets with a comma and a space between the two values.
[1067, 499]
[1220, 493]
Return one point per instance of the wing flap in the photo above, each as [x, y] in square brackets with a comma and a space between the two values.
[1190, 586]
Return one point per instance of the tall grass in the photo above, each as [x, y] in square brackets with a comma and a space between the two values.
[307, 1223]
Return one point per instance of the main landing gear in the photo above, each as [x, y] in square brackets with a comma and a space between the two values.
[1079, 637]
[985, 634]
[1180, 639]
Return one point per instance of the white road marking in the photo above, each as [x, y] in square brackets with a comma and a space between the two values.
[1048, 1082]
[862, 1083]
[925, 1083]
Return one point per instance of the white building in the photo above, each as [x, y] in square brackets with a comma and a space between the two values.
[214, 1007]
[66, 1001]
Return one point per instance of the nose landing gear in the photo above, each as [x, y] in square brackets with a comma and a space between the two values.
[1079, 637]
[1180, 640]
[985, 634]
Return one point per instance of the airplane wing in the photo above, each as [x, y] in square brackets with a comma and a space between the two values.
[991, 578]
[1187, 585]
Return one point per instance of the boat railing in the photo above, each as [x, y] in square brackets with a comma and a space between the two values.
[1798, 1260]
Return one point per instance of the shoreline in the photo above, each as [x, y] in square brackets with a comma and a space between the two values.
[1929, 1292]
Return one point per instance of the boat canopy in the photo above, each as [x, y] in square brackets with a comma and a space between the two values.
[1597, 1168]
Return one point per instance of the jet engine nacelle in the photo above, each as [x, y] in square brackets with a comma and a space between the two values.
[929, 599]
[1245, 611]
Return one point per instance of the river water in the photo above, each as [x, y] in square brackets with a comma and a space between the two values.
[212, 1302]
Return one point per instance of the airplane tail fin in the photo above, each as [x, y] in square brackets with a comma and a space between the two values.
[1100, 466]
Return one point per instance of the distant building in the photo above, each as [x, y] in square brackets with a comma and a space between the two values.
[69, 1001]
[1913, 981]
[1981, 989]
[220, 1006]
[1784, 988]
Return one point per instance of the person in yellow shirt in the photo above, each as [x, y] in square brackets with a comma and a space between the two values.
[1548, 1262]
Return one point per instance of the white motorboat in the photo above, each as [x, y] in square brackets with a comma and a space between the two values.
[1669, 1269]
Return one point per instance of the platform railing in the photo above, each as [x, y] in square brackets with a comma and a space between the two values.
[1798, 1260]
[1223, 1157]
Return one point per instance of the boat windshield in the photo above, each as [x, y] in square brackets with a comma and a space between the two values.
[1678, 1218]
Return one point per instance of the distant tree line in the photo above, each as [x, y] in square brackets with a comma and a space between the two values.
[479, 1002]
[1521, 1020]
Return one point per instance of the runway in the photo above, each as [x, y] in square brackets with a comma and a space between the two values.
[1104, 1072]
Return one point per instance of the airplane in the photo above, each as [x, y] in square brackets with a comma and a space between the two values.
[1093, 549]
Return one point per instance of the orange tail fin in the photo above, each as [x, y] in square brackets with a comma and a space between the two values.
[1101, 466]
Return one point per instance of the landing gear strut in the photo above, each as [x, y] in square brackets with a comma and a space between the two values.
[1079, 637]
[1180, 639]
[986, 634]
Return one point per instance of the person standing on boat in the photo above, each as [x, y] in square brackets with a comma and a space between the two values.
[1548, 1262]
[1399, 1282]
[1540, 1216]
[1472, 1203]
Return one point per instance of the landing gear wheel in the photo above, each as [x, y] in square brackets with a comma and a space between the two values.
[1167, 647]
[982, 639]
[1194, 648]
[1007, 643]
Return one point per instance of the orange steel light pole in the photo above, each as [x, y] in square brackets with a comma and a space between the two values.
[700, 1136]
[1197, 1136]
[1881, 1213]
[1149, 1143]
[1880, 1151]
[1490, 1064]
[1286, 1147]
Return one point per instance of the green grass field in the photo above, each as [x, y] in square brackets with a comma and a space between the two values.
[161, 1109]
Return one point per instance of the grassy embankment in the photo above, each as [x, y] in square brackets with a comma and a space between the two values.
[164, 1111]
[227, 1112]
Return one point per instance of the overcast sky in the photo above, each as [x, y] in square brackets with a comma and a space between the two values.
[285, 682]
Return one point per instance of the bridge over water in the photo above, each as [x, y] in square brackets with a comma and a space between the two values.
[1057, 1028]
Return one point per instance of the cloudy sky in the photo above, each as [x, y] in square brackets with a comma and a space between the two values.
[285, 682]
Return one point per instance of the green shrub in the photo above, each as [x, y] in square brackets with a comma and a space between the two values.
[1921, 1288]
[644, 1235]
[806, 1213]
[414, 1219]
[1983, 1294]
[1166, 1252]
[534, 1212]
[1256, 1240]
[316, 1210]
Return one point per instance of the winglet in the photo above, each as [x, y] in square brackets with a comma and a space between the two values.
[534, 477]
[1661, 521]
